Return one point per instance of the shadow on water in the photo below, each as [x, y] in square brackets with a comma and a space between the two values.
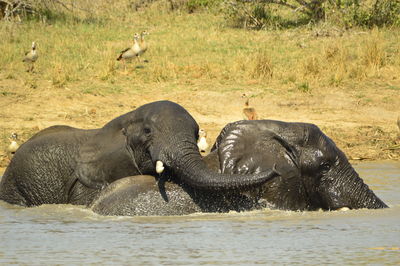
[65, 234]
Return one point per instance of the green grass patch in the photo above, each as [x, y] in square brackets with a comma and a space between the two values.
[304, 87]
[395, 88]
[7, 93]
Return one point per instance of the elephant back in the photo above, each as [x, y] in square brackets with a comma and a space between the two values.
[41, 168]
[142, 195]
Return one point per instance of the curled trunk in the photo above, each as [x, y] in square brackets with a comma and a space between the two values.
[188, 165]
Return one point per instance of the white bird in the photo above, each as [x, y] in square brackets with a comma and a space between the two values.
[202, 142]
[13, 147]
[143, 44]
[131, 52]
[31, 57]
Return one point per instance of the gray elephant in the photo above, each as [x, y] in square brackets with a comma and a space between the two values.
[146, 195]
[62, 164]
[313, 174]
[143, 195]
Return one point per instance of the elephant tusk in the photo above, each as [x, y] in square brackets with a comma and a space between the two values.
[159, 167]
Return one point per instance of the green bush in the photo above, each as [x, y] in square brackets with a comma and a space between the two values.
[385, 13]
[377, 13]
[260, 14]
[253, 15]
[193, 5]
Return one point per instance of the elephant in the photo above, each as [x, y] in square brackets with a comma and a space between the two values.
[146, 195]
[62, 164]
[143, 196]
[313, 174]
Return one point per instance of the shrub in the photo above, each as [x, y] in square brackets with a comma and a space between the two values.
[259, 14]
[255, 15]
[367, 14]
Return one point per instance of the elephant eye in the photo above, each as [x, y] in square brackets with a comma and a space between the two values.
[325, 167]
[147, 130]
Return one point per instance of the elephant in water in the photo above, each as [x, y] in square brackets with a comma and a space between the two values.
[62, 164]
[313, 174]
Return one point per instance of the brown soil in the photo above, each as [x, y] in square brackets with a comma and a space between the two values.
[364, 127]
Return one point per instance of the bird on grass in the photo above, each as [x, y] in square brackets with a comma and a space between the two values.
[13, 147]
[31, 57]
[249, 113]
[131, 52]
[143, 44]
[202, 142]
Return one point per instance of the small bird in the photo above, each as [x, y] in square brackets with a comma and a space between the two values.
[202, 142]
[143, 44]
[31, 57]
[249, 113]
[12, 148]
[131, 52]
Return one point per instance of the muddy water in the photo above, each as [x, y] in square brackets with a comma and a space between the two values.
[74, 235]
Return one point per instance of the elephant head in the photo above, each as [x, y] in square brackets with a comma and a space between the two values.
[313, 172]
[156, 136]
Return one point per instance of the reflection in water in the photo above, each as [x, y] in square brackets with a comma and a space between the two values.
[65, 234]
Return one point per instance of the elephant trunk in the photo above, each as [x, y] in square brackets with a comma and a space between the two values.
[364, 196]
[354, 193]
[187, 164]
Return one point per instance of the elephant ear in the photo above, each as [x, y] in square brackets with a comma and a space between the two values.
[103, 159]
[248, 147]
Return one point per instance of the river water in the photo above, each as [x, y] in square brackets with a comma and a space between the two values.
[64, 234]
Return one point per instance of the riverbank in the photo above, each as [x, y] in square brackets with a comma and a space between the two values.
[363, 130]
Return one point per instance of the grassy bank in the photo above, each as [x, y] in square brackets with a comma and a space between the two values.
[189, 47]
[347, 82]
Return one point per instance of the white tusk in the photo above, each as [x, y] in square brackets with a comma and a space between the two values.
[159, 167]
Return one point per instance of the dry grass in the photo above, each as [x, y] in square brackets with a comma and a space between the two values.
[373, 54]
[262, 66]
[185, 48]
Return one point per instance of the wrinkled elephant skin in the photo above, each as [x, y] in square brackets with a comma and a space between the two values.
[314, 172]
